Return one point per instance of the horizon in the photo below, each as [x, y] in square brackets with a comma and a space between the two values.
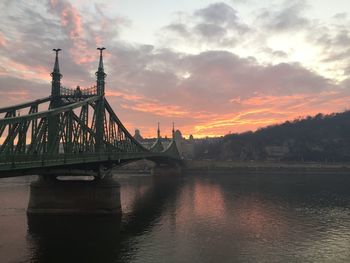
[212, 67]
[299, 118]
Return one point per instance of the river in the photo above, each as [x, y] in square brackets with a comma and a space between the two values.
[202, 218]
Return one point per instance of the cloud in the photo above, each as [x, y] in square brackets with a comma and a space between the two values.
[208, 92]
[217, 24]
[70, 18]
[261, 111]
[287, 17]
[180, 29]
[55, 24]
[219, 14]
[340, 16]
[333, 40]
[276, 53]
[2, 40]
[210, 31]
[234, 93]
[147, 104]
[71, 25]
[17, 90]
[240, 1]
[246, 77]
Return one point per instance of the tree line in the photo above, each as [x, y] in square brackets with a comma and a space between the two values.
[321, 138]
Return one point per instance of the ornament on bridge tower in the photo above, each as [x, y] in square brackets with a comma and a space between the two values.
[101, 75]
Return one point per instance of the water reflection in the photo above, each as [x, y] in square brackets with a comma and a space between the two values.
[264, 219]
[103, 238]
[74, 239]
[208, 201]
[197, 219]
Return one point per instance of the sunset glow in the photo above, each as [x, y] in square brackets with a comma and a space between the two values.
[210, 67]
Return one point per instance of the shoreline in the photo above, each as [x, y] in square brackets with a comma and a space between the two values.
[209, 167]
[233, 164]
[232, 167]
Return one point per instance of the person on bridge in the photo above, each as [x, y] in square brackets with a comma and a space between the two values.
[78, 92]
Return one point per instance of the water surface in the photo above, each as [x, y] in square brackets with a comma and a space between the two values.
[209, 218]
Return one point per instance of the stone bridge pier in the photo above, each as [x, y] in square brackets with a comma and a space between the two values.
[67, 194]
[49, 195]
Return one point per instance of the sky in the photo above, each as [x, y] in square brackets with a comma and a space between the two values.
[212, 67]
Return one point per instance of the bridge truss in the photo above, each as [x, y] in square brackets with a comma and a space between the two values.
[71, 129]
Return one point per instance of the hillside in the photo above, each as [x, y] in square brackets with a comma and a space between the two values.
[323, 138]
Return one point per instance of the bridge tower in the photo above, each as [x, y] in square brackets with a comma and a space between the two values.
[48, 195]
[100, 113]
[53, 128]
[56, 78]
[93, 141]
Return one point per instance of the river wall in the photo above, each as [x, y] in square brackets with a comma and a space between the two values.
[234, 167]
[208, 166]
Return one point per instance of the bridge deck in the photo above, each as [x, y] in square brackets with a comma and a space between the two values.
[71, 128]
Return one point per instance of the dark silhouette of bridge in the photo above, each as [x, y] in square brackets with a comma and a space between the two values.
[73, 130]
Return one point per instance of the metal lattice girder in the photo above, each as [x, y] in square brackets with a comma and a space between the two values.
[27, 135]
[24, 105]
[78, 129]
[47, 113]
[74, 132]
[123, 133]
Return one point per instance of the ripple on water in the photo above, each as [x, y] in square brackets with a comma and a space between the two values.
[196, 219]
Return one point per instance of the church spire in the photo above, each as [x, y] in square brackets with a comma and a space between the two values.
[173, 131]
[158, 132]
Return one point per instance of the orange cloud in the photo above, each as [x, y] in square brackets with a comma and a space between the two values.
[261, 111]
[16, 97]
[70, 17]
[259, 100]
[125, 96]
[37, 73]
[71, 22]
[250, 114]
[2, 40]
[157, 109]
[144, 104]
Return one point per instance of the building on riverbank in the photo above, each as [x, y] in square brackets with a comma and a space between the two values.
[185, 146]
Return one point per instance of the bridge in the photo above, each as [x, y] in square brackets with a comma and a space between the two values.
[72, 131]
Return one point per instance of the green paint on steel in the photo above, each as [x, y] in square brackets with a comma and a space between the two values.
[78, 129]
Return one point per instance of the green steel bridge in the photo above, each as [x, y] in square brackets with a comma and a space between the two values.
[71, 131]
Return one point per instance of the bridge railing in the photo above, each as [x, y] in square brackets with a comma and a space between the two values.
[26, 161]
[35, 161]
[92, 91]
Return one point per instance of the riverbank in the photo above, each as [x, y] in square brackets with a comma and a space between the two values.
[234, 167]
[209, 166]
